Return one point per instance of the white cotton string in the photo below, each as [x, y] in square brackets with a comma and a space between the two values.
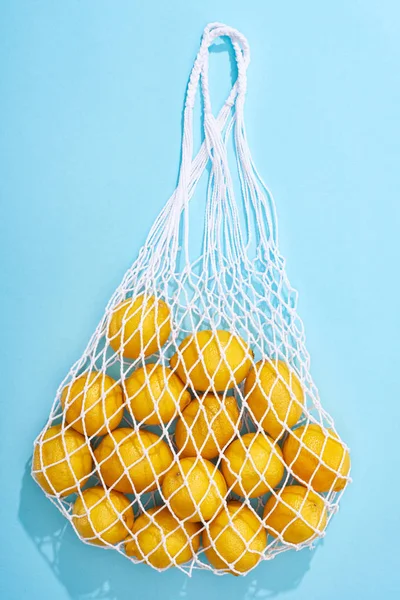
[222, 196]
[200, 72]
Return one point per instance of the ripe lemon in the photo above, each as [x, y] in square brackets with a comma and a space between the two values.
[252, 465]
[195, 489]
[62, 461]
[164, 542]
[145, 458]
[93, 404]
[235, 539]
[154, 394]
[322, 477]
[302, 519]
[207, 426]
[269, 388]
[212, 361]
[102, 517]
[139, 325]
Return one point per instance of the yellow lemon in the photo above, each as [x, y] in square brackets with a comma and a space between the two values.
[212, 361]
[155, 394]
[93, 404]
[298, 514]
[309, 468]
[165, 541]
[253, 465]
[269, 390]
[207, 426]
[235, 539]
[62, 462]
[102, 517]
[195, 489]
[131, 461]
[137, 325]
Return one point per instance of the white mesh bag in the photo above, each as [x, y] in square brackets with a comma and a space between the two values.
[190, 432]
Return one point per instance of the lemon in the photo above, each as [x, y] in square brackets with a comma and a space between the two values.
[253, 465]
[139, 325]
[269, 389]
[133, 461]
[165, 541]
[212, 360]
[235, 539]
[62, 461]
[298, 514]
[93, 404]
[102, 517]
[207, 426]
[155, 394]
[330, 476]
[194, 489]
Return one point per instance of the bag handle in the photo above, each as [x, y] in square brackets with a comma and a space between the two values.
[213, 131]
[223, 230]
[200, 68]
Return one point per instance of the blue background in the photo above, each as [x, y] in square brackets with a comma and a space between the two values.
[90, 115]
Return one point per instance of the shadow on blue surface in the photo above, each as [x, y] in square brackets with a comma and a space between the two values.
[90, 573]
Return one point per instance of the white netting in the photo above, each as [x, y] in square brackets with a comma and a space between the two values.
[190, 432]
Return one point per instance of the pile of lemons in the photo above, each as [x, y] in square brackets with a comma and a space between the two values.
[205, 461]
